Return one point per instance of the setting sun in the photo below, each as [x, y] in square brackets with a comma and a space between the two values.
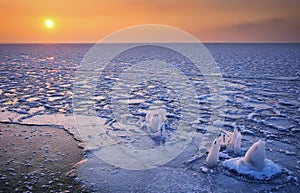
[49, 23]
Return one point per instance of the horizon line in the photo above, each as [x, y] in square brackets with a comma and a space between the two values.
[206, 42]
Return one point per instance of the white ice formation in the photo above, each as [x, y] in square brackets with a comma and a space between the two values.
[213, 154]
[155, 122]
[254, 163]
[255, 156]
[231, 141]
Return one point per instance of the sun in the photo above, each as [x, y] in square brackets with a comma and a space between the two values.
[49, 23]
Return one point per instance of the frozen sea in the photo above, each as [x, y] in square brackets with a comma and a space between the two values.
[261, 85]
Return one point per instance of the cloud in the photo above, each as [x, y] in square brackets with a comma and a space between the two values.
[273, 22]
[275, 29]
[244, 25]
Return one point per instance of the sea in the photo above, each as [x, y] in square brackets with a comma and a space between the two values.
[253, 87]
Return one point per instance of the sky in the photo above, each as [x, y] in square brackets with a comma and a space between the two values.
[88, 21]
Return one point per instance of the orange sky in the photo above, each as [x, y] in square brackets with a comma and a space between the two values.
[208, 20]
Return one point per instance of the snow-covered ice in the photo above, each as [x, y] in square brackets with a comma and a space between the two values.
[269, 170]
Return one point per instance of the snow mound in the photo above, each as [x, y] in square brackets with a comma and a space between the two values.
[268, 172]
